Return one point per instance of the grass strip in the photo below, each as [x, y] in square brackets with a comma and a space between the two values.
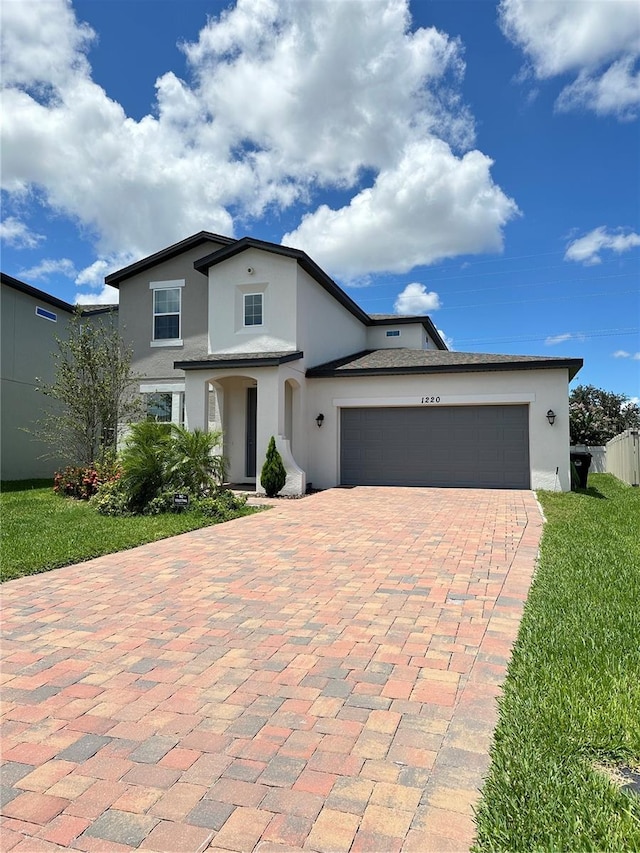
[43, 531]
[571, 700]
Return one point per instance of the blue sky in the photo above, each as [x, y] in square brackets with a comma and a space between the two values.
[473, 160]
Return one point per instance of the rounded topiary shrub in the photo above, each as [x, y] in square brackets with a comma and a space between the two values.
[273, 476]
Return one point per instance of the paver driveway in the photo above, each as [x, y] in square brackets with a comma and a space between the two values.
[321, 676]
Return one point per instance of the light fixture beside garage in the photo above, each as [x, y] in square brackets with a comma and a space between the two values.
[320, 420]
[551, 416]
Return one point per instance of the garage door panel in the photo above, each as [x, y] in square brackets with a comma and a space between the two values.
[460, 446]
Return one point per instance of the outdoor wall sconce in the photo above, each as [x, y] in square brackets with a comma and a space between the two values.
[551, 416]
[320, 419]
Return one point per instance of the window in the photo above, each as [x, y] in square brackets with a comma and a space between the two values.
[167, 304]
[252, 309]
[159, 407]
[165, 406]
[393, 333]
[48, 315]
[166, 314]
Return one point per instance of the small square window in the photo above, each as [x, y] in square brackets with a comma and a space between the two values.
[393, 333]
[253, 309]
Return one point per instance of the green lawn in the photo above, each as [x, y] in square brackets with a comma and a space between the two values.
[42, 531]
[572, 697]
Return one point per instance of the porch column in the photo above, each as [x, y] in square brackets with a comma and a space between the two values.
[270, 417]
[196, 400]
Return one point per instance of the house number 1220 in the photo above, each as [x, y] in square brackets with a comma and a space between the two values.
[430, 399]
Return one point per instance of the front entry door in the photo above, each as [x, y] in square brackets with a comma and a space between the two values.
[252, 411]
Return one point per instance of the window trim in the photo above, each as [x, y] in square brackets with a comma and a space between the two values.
[393, 333]
[246, 325]
[174, 284]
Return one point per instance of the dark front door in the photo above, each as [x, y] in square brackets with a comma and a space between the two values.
[252, 410]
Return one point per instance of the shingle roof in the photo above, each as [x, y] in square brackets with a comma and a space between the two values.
[98, 308]
[239, 359]
[404, 361]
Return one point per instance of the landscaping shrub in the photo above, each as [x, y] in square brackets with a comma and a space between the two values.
[145, 462]
[76, 482]
[224, 506]
[157, 461]
[273, 476]
[83, 482]
[112, 498]
[192, 465]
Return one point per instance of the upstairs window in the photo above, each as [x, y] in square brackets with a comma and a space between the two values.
[167, 304]
[48, 315]
[253, 309]
[393, 333]
[166, 314]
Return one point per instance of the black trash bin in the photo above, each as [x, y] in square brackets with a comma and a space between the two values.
[582, 462]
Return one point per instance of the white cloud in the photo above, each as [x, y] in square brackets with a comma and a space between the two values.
[559, 339]
[15, 233]
[622, 353]
[107, 296]
[43, 45]
[598, 40]
[615, 91]
[636, 356]
[431, 205]
[416, 299]
[448, 341]
[48, 267]
[587, 249]
[262, 121]
[94, 274]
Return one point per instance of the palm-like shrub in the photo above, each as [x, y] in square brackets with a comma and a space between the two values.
[193, 465]
[145, 462]
[273, 475]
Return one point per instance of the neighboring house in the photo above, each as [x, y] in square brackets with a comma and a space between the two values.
[31, 322]
[255, 339]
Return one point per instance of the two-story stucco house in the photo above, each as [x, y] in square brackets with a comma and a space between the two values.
[255, 339]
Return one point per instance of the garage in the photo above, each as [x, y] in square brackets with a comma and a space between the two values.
[456, 446]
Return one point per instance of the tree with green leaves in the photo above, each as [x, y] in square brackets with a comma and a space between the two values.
[91, 393]
[595, 415]
[273, 475]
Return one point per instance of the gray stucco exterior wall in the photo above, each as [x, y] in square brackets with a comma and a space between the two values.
[136, 315]
[28, 342]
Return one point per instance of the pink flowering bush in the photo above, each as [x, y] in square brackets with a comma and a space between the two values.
[83, 483]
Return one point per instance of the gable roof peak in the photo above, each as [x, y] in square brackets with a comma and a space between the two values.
[172, 251]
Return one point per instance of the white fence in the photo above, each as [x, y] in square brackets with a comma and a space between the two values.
[599, 457]
[623, 457]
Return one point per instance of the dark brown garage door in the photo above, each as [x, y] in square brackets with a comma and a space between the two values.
[462, 446]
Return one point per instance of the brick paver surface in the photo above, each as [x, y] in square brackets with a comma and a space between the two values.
[319, 677]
